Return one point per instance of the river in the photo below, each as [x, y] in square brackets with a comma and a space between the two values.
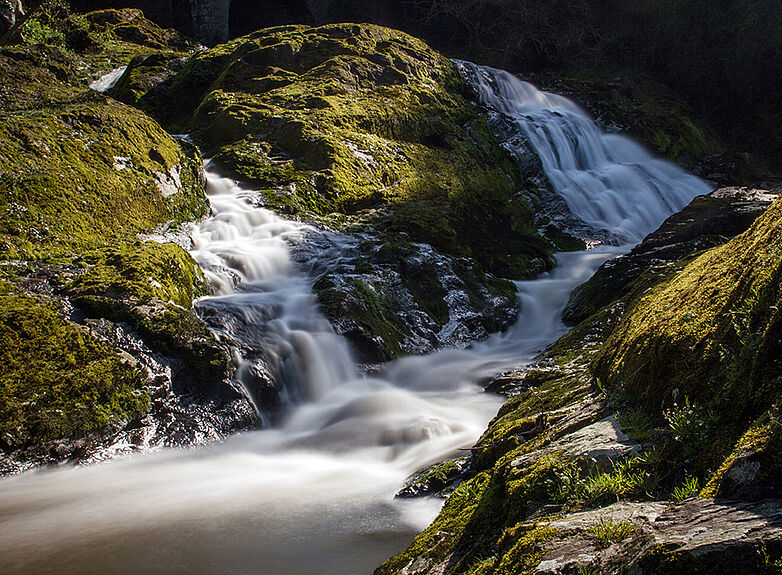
[314, 494]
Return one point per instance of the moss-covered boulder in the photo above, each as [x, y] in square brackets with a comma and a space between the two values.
[361, 121]
[708, 221]
[57, 379]
[152, 286]
[705, 343]
[677, 381]
[82, 178]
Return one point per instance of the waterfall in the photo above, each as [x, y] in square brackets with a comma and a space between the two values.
[313, 494]
[608, 181]
[262, 305]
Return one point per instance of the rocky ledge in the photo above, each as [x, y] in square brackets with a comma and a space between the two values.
[646, 440]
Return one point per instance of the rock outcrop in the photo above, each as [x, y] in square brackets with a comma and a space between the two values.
[579, 474]
[98, 327]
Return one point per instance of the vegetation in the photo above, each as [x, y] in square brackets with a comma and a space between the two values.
[703, 344]
[81, 177]
[607, 531]
[362, 121]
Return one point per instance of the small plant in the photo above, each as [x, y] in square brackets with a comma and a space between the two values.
[627, 478]
[637, 424]
[607, 531]
[687, 424]
[690, 487]
[588, 569]
[768, 564]
[472, 490]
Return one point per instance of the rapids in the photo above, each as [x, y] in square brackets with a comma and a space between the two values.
[314, 494]
[608, 180]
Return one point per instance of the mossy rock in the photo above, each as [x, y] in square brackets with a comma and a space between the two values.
[57, 379]
[152, 286]
[81, 177]
[89, 171]
[709, 335]
[141, 271]
[359, 119]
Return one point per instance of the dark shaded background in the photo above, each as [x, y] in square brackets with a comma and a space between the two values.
[724, 57]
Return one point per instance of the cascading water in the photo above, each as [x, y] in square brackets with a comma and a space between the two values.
[315, 494]
[608, 181]
[261, 304]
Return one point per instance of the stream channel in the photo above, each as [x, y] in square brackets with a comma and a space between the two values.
[314, 493]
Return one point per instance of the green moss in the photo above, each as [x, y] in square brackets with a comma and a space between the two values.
[763, 442]
[524, 545]
[142, 271]
[57, 380]
[707, 334]
[349, 118]
[377, 318]
[81, 176]
[87, 174]
[152, 286]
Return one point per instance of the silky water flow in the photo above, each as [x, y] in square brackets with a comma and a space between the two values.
[314, 493]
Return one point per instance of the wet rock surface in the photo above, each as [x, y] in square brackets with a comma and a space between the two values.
[708, 221]
[403, 298]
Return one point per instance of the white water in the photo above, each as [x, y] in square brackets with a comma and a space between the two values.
[608, 180]
[108, 81]
[312, 496]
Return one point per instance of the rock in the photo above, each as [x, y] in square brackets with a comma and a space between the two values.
[398, 298]
[364, 127]
[438, 480]
[706, 222]
[574, 547]
[603, 443]
[110, 317]
[712, 537]
[10, 12]
[700, 535]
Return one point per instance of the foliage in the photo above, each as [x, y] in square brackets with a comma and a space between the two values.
[637, 423]
[607, 531]
[686, 490]
[688, 425]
